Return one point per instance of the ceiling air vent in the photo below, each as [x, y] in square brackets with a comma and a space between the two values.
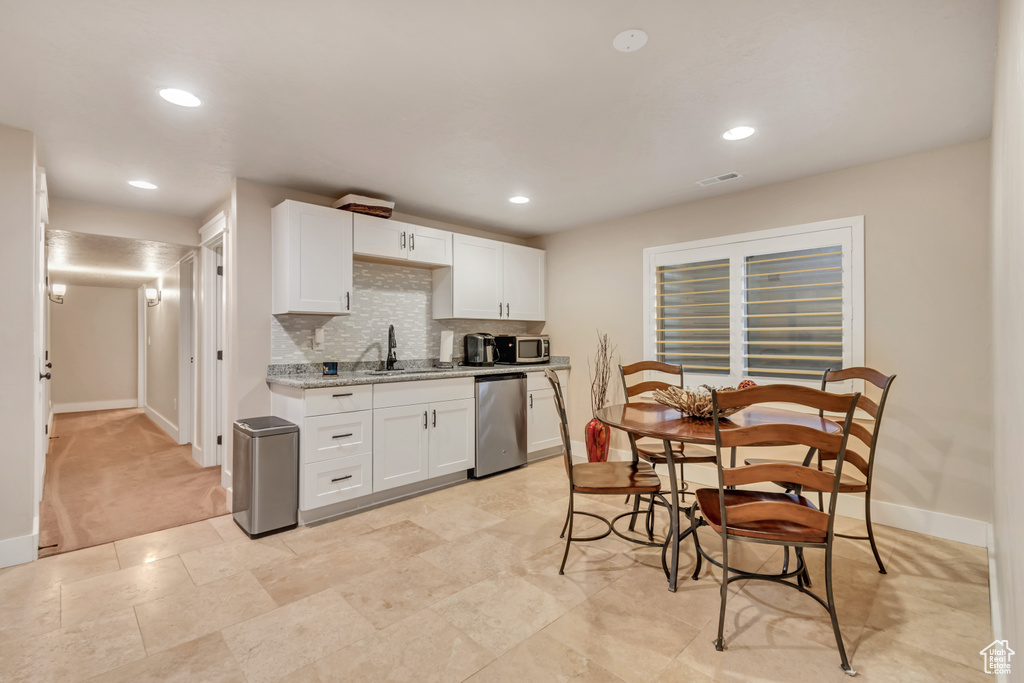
[714, 180]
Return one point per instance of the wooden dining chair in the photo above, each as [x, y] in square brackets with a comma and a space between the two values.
[654, 451]
[601, 478]
[867, 439]
[775, 517]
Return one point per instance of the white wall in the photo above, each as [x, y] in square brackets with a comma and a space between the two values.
[94, 349]
[162, 353]
[1008, 298]
[19, 380]
[114, 222]
[928, 311]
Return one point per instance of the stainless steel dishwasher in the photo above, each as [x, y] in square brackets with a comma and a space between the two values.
[500, 423]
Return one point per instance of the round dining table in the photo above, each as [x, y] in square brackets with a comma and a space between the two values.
[667, 424]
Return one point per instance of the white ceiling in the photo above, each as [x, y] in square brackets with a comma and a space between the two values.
[449, 107]
[81, 259]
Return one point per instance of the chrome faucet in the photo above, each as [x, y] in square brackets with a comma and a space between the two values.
[392, 345]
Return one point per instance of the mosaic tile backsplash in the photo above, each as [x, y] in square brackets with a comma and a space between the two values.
[383, 295]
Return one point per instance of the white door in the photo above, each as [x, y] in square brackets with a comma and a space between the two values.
[41, 427]
[452, 436]
[523, 282]
[219, 410]
[476, 278]
[373, 236]
[542, 425]
[428, 245]
[399, 446]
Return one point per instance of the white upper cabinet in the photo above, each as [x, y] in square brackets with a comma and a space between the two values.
[490, 280]
[397, 241]
[312, 259]
[523, 282]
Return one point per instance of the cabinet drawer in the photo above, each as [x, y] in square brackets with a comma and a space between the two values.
[337, 480]
[535, 381]
[336, 436]
[338, 399]
[423, 391]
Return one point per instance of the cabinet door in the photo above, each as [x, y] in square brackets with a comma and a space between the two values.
[542, 424]
[399, 446]
[430, 246]
[312, 259]
[452, 436]
[373, 236]
[476, 278]
[523, 282]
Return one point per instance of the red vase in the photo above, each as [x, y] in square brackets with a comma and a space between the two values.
[597, 434]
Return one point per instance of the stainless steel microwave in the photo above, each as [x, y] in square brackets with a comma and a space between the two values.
[521, 349]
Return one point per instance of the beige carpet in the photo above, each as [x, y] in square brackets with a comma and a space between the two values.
[113, 474]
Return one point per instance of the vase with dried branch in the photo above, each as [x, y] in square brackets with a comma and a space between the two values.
[596, 432]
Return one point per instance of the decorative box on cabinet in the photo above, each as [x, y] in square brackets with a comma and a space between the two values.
[399, 242]
[311, 259]
[490, 280]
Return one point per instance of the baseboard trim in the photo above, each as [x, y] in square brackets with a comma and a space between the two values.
[928, 522]
[86, 406]
[197, 455]
[20, 549]
[162, 422]
[993, 593]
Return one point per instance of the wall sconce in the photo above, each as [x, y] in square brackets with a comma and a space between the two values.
[57, 292]
[153, 296]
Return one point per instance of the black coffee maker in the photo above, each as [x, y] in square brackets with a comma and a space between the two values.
[479, 347]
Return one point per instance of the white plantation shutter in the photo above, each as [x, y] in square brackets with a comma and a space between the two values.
[776, 306]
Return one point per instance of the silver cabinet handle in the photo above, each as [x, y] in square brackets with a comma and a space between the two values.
[403, 240]
[507, 314]
[435, 418]
[499, 309]
[531, 400]
[341, 436]
[348, 301]
[341, 395]
[412, 241]
[424, 419]
[347, 476]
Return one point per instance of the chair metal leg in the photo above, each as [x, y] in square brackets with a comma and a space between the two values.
[720, 641]
[832, 613]
[636, 511]
[871, 531]
[568, 538]
[696, 543]
[804, 579]
[568, 516]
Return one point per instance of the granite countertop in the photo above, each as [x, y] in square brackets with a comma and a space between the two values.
[308, 375]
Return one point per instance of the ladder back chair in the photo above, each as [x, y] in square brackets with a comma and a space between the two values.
[601, 478]
[867, 440]
[776, 517]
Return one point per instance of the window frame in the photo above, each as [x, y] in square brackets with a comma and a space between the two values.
[849, 232]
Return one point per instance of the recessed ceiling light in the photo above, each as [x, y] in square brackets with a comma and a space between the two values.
[629, 40]
[179, 97]
[519, 199]
[142, 184]
[738, 133]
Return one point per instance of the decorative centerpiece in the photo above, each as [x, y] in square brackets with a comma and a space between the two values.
[697, 402]
[597, 433]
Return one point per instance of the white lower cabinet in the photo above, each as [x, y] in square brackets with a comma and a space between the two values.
[542, 423]
[335, 480]
[421, 441]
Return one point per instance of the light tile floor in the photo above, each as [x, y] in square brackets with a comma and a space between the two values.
[462, 584]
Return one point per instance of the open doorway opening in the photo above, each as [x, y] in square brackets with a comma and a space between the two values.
[127, 456]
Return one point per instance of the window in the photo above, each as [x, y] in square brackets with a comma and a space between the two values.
[775, 306]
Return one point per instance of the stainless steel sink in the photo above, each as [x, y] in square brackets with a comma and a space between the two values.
[384, 373]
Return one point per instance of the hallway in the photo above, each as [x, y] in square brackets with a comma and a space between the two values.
[113, 474]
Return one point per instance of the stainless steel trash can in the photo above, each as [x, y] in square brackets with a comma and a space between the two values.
[265, 475]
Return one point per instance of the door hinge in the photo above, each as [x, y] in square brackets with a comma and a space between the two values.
[220, 439]
[220, 355]
[220, 270]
